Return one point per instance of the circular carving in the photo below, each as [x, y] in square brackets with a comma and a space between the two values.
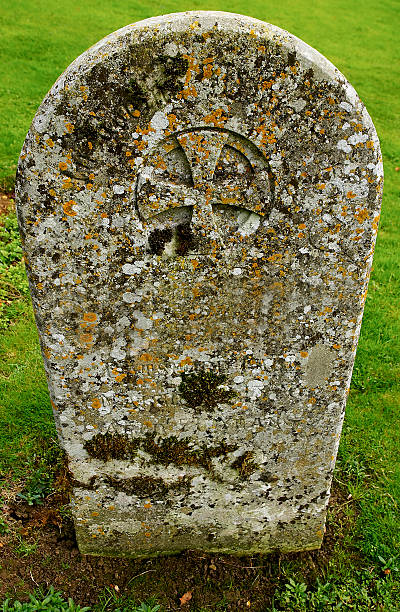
[213, 182]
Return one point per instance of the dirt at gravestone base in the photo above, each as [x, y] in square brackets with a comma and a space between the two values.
[38, 550]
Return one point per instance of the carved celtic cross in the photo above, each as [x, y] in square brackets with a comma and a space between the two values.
[210, 171]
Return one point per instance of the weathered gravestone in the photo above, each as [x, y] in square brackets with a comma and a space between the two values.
[198, 198]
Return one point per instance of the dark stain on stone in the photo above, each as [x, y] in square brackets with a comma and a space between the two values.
[158, 238]
[184, 238]
[245, 464]
[269, 478]
[136, 95]
[205, 389]
[174, 67]
[124, 251]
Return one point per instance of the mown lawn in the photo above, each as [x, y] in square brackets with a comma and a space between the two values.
[359, 568]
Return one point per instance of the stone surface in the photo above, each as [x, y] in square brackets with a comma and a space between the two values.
[198, 198]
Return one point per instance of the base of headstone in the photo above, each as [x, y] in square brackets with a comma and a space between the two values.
[118, 534]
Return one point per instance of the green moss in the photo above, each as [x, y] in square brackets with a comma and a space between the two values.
[111, 446]
[204, 388]
[179, 452]
[163, 451]
[245, 464]
[148, 486]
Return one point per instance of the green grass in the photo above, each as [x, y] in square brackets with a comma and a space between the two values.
[38, 40]
[27, 431]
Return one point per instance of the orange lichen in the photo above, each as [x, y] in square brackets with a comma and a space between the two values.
[207, 68]
[86, 338]
[186, 361]
[68, 210]
[361, 215]
[216, 118]
[375, 223]
[275, 257]
[173, 121]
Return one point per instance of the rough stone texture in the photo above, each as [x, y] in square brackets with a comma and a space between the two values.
[198, 198]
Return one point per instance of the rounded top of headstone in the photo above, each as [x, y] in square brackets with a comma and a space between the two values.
[208, 105]
[197, 69]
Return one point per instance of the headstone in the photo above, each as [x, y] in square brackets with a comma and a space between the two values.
[198, 198]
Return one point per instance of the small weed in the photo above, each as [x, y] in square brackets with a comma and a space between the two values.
[361, 590]
[37, 487]
[144, 607]
[111, 601]
[47, 561]
[4, 528]
[31, 498]
[352, 468]
[389, 565]
[65, 511]
[356, 491]
[24, 549]
[294, 595]
[52, 602]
